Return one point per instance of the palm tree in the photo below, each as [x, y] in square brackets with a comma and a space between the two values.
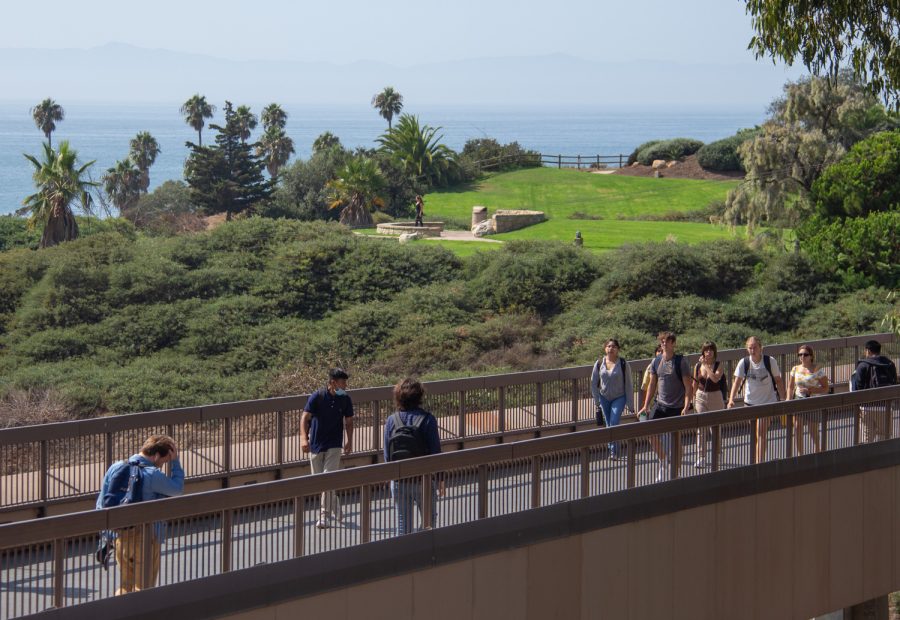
[273, 116]
[246, 121]
[357, 188]
[144, 150]
[122, 183]
[195, 111]
[418, 149]
[46, 114]
[60, 182]
[325, 141]
[275, 147]
[388, 103]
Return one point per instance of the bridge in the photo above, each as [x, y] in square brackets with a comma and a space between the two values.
[553, 510]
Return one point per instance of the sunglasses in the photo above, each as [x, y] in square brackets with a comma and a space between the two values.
[805, 354]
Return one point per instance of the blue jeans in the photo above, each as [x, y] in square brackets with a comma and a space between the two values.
[612, 413]
[405, 494]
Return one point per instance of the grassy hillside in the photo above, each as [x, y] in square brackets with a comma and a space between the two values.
[607, 209]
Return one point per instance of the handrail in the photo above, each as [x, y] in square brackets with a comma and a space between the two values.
[225, 440]
[49, 562]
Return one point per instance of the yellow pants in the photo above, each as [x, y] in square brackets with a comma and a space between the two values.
[130, 558]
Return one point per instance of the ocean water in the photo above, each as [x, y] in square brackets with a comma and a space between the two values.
[101, 132]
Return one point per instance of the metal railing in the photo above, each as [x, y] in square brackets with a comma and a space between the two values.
[50, 562]
[584, 161]
[52, 464]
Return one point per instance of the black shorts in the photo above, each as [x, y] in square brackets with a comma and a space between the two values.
[659, 412]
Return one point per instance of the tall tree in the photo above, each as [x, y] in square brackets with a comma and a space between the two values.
[275, 147]
[273, 116]
[122, 183]
[60, 181]
[388, 103]
[227, 177]
[195, 111]
[144, 151]
[826, 34]
[357, 189]
[46, 114]
[326, 140]
[246, 122]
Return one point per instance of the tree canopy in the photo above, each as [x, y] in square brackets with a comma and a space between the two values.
[828, 34]
[388, 103]
[46, 114]
[195, 111]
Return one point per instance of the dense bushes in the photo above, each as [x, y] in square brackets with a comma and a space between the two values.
[722, 155]
[666, 149]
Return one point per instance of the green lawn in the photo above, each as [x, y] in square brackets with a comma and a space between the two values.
[560, 193]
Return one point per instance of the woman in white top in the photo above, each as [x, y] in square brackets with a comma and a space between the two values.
[806, 379]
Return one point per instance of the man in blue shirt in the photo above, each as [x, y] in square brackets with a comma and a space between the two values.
[327, 415]
[155, 484]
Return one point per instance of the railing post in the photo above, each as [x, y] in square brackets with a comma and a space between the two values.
[754, 429]
[376, 426]
[823, 436]
[44, 484]
[539, 405]
[226, 446]
[147, 558]
[462, 414]
[675, 461]
[501, 409]
[536, 482]
[59, 573]
[789, 436]
[574, 400]
[227, 518]
[598, 161]
[427, 502]
[579, 162]
[108, 440]
[620, 160]
[299, 526]
[856, 422]
[482, 492]
[631, 463]
[585, 473]
[831, 357]
[559, 161]
[365, 513]
[279, 437]
[716, 446]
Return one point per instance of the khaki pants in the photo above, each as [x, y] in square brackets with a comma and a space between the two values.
[325, 461]
[130, 558]
[874, 423]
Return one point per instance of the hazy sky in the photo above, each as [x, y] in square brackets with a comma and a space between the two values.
[403, 32]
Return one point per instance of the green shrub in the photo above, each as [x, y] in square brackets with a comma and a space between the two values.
[634, 154]
[144, 328]
[149, 278]
[52, 345]
[218, 326]
[15, 233]
[860, 312]
[70, 293]
[668, 149]
[866, 180]
[765, 309]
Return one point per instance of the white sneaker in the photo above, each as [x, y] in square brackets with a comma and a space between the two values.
[322, 523]
[701, 463]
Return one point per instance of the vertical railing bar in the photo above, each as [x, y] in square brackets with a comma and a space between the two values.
[823, 435]
[226, 446]
[59, 572]
[585, 472]
[109, 449]
[299, 526]
[574, 400]
[716, 446]
[482, 491]
[279, 437]
[365, 513]
[427, 502]
[754, 430]
[44, 482]
[501, 410]
[631, 464]
[856, 422]
[789, 435]
[539, 405]
[461, 430]
[145, 580]
[227, 534]
[536, 482]
[376, 426]
[675, 460]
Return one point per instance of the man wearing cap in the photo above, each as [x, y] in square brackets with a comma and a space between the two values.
[327, 416]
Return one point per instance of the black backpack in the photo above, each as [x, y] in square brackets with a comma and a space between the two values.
[406, 440]
[767, 361]
[676, 364]
[880, 375]
[723, 383]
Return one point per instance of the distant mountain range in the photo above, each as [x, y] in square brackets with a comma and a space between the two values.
[118, 72]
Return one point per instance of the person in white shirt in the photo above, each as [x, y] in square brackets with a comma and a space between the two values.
[760, 378]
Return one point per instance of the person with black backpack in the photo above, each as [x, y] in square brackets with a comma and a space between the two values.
[875, 371]
[139, 479]
[760, 378]
[411, 432]
[710, 392]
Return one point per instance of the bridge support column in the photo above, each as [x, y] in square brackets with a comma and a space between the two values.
[875, 609]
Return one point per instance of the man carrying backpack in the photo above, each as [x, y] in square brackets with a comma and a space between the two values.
[760, 378]
[874, 371]
[327, 416]
[140, 479]
[410, 432]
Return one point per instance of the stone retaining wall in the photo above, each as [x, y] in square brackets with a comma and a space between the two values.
[429, 229]
[507, 220]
